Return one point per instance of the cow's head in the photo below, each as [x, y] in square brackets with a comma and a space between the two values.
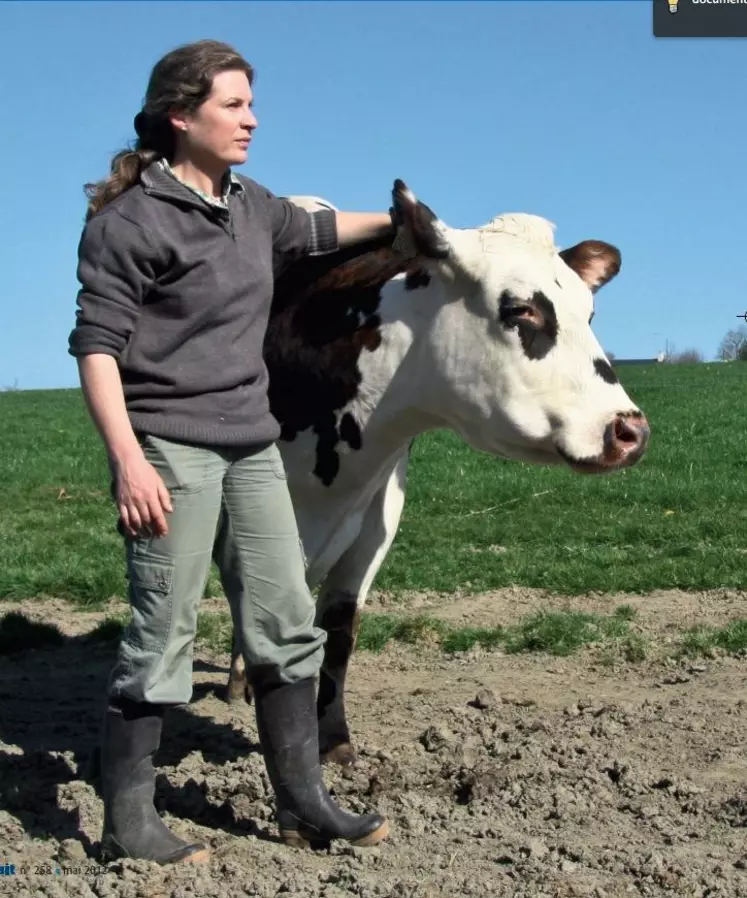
[518, 369]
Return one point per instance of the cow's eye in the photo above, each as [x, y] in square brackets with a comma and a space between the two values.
[514, 314]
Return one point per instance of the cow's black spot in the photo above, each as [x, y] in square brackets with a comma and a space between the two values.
[350, 431]
[604, 370]
[417, 278]
[327, 459]
[535, 321]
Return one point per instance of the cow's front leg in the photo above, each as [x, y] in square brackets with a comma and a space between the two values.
[226, 558]
[239, 689]
[339, 616]
[339, 605]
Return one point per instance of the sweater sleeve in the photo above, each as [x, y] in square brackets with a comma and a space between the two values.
[116, 262]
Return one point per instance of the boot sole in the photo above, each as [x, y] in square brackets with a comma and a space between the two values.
[197, 857]
[201, 856]
[378, 835]
[296, 839]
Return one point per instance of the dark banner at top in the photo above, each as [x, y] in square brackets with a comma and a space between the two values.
[700, 18]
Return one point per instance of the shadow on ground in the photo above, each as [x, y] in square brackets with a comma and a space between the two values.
[52, 701]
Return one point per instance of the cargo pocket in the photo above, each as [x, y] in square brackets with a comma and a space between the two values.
[151, 599]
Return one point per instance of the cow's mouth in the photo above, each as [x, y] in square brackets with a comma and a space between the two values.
[625, 441]
[591, 465]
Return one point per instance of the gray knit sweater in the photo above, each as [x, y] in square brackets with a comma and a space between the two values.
[179, 292]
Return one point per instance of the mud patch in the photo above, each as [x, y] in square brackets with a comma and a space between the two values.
[523, 776]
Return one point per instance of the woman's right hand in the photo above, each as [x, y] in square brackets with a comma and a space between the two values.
[141, 497]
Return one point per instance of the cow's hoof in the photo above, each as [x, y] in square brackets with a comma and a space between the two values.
[238, 693]
[342, 754]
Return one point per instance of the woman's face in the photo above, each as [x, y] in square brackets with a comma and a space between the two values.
[218, 134]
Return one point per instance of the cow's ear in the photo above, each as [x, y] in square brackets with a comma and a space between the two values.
[594, 261]
[423, 236]
[419, 232]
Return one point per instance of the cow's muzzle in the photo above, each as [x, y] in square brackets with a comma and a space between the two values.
[625, 440]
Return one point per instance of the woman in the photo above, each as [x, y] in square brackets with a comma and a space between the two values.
[175, 264]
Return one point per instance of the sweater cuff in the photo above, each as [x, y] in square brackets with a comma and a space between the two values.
[87, 339]
[323, 233]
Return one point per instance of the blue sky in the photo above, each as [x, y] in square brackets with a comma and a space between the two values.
[571, 110]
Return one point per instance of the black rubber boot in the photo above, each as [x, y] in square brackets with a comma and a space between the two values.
[306, 813]
[132, 827]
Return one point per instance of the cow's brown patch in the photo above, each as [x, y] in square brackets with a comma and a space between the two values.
[324, 315]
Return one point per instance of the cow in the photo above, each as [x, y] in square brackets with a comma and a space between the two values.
[483, 331]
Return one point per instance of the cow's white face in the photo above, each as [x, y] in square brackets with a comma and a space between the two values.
[518, 369]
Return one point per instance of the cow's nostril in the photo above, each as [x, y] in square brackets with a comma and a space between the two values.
[625, 433]
[630, 435]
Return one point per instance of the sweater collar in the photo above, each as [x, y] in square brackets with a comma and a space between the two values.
[159, 179]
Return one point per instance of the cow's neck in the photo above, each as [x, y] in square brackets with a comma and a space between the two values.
[396, 400]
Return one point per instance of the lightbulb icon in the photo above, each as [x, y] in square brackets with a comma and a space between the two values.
[673, 5]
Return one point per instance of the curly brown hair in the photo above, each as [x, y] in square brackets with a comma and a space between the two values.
[180, 82]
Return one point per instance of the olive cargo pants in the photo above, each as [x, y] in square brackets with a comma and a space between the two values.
[167, 575]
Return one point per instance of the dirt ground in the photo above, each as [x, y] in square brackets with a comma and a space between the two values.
[525, 776]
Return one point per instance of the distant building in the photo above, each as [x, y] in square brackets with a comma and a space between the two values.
[659, 358]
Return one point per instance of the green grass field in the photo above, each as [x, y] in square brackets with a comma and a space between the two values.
[471, 523]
